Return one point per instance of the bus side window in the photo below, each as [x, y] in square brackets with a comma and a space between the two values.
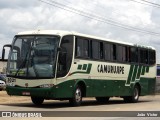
[134, 54]
[119, 53]
[107, 51]
[124, 54]
[101, 55]
[95, 49]
[152, 57]
[147, 56]
[79, 45]
[82, 48]
[128, 54]
[85, 48]
[113, 52]
[143, 56]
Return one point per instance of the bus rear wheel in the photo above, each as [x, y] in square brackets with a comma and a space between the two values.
[37, 100]
[135, 96]
[102, 99]
[77, 98]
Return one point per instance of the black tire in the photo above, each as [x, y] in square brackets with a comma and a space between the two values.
[102, 99]
[37, 100]
[77, 98]
[135, 96]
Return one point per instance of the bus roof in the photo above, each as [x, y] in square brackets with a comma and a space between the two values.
[62, 33]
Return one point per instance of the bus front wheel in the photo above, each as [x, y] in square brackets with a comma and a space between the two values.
[37, 100]
[77, 98]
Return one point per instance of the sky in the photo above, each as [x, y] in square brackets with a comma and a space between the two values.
[130, 21]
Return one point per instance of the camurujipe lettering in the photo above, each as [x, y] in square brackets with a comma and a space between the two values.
[110, 69]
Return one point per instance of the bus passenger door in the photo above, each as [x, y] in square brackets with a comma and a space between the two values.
[65, 56]
[64, 89]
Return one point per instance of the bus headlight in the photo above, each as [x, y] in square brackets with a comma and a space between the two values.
[46, 86]
[10, 84]
[10, 81]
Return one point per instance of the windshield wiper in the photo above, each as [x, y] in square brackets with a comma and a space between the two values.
[22, 64]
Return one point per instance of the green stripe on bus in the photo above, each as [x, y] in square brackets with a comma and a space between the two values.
[79, 67]
[139, 72]
[130, 74]
[134, 73]
[88, 67]
[143, 70]
[84, 67]
[147, 69]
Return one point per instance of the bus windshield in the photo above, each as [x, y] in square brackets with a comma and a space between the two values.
[33, 57]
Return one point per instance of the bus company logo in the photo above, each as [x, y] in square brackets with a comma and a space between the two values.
[111, 69]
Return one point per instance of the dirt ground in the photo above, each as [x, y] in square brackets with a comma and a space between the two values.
[5, 98]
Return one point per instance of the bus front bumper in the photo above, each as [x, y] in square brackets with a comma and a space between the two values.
[38, 92]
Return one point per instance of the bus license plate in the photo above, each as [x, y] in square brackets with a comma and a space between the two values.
[26, 93]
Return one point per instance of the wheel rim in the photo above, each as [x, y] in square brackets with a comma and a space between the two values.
[136, 94]
[78, 95]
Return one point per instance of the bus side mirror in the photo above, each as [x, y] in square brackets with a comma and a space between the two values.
[3, 54]
[3, 51]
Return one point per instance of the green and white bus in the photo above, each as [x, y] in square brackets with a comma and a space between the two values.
[63, 65]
